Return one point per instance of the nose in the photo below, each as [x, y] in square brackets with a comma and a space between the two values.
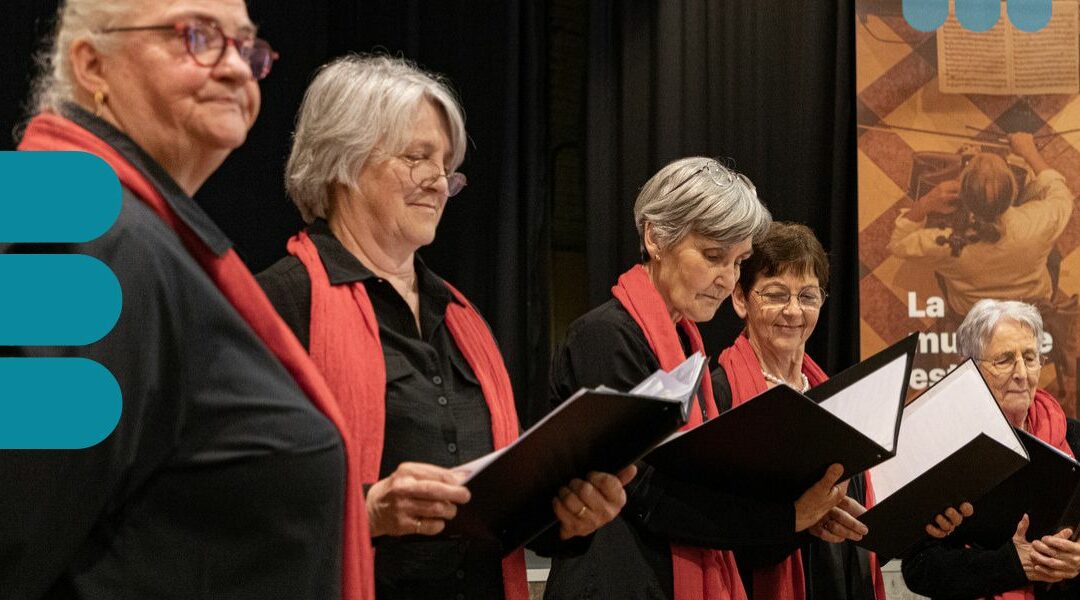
[232, 65]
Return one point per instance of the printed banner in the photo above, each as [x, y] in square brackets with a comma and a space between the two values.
[952, 208]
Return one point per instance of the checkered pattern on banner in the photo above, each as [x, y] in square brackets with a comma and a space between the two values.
[896, 80]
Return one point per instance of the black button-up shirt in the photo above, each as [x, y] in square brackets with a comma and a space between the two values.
[435, 411]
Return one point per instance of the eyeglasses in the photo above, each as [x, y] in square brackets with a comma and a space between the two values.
[425, 173]
[206, 43]
[722, 176]
[809, 298]
[1004, 364]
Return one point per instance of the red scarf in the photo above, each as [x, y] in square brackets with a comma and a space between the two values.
[1046, 421]
[48, 131]
[699, 573]
[784, 580]
[345, 345]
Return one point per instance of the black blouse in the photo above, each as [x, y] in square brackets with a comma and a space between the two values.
[435, 412]
[221, 479]
[631, 557]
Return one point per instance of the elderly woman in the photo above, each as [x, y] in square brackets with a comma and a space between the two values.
[373, 163]
[977, 258]
[779, 295]
[1004, 339]
[225, 475]
[696, 220]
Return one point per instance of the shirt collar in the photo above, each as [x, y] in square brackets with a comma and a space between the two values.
[183, 205]
[343, 267]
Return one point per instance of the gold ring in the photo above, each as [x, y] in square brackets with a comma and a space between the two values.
[419, 522]
[582, 511]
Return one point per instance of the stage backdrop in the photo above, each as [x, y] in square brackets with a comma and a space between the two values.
[930, 102]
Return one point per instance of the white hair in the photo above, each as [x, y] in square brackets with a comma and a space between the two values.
[699, 195]
[75, 20]
[975, 332]
[355, 103]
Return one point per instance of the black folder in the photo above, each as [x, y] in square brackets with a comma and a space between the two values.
[1047, 489]
[595, 430]
[777, 444]
[955, 445]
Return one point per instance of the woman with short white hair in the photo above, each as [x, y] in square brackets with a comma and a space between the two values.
[1004, 338]
[374, 160]
[696, 220]
[226, 475]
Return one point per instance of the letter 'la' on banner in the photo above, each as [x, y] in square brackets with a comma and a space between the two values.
[56, 299]
[978, 15]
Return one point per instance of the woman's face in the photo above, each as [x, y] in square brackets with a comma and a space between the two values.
[401, 214]
[1012, 382]
[697, 274]
[780, 328]
[164, 100]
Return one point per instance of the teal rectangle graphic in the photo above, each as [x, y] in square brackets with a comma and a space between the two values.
[56, 197]
[56, 403]
[56, 300]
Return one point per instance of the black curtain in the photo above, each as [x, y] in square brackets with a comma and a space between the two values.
[768, 84]
[492, 240]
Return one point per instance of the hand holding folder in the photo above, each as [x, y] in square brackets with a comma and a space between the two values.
[779, 443]
[595, 430]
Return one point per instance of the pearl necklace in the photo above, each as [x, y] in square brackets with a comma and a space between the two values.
[778, 380]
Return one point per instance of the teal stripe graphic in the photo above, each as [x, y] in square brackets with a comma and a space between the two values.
[56, 197]
[56, 403]
[57, 300]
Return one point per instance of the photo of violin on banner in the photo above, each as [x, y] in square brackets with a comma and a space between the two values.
[969, 158]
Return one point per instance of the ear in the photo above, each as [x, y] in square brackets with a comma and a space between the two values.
[651, 247]
[738, 302]
[87, 70]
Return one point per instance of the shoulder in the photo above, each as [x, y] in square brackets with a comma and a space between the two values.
[286, 278]
[607, 324]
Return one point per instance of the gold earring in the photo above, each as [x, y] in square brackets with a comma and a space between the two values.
[99, 102]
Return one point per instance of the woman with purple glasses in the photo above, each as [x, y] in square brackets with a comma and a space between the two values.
[229, 473]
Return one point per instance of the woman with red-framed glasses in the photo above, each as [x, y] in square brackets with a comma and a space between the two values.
[228, 473]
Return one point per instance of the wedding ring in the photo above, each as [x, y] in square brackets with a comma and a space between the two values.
[419, 522]
[582, 511]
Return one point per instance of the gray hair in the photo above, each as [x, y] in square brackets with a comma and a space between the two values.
[974, 333]
[699, 195]
[355, 103]
[75, 20]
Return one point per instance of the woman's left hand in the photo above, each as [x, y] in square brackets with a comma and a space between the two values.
[1056, 556]
[951, 518]
[582, 507]
[841, 523]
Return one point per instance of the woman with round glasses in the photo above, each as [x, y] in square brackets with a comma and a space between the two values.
[779, 295]
[1004, 339]
[373, 162]
[696, 220]
[227, 474]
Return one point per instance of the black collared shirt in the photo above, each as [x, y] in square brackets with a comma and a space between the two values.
[221, 479]
[435, 411]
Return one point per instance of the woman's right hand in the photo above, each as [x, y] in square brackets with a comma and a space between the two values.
[416, 499]
[1023, 548]
[817, 501]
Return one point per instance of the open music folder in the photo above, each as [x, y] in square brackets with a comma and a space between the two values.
[1047, 489]
[955, 445]
[594, 430]
[777, 444]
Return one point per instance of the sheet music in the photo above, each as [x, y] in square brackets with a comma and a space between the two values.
[872, 404]
[940, 422]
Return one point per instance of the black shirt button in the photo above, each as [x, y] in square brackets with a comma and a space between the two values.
[442, 401]
[460, 574]
[452, 447]
[460, 597]
[436, 380]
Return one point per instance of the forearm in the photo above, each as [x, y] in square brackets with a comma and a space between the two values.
[941, 571]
